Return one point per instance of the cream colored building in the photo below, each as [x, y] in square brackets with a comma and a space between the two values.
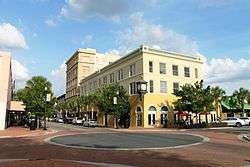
[164, 73]
[5, 87]
[81, 64]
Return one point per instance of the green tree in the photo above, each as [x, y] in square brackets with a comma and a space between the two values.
[103, 99]
[33, 96]
[241, 96]
[195, 98]
[217, 94]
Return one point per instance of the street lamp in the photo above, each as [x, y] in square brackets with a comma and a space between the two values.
[141, 88]
[47, 99]
[115, 103]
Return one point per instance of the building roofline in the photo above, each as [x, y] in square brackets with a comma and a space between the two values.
[144, 48]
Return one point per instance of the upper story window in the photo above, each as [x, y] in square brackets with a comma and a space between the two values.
[132, 70]
[105, 79]
[111, 78]
[120, 74]
[150, 65]
[163, 86]
[162, 68]
[176, 87]
[132, 88]
[151, 86]
[175, 70]
[186, 72]
[196, 73]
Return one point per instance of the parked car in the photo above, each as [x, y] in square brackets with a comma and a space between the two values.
[68, 120]
[60, 120]
[246, 120]
[90, 123]
[51, 119]
[232, 121]
[78, 121]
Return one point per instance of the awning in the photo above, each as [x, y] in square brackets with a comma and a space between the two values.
[17, 106]
[227, 106]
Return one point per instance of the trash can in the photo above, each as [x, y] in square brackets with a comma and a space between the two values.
[32, 124]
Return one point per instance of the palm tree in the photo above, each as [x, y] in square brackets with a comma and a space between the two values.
[242, 96]
[217, 94]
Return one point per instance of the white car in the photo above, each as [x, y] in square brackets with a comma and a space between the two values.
[246, 120]
[232, 121]
[77, 121]
[91, 123]
[60, 120]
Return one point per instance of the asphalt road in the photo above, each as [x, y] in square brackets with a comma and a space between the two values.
[123, 140]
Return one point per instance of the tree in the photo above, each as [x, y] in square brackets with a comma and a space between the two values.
[241, 96]
[195, 98]
[104, 101]
[33, 96]
[217, 94]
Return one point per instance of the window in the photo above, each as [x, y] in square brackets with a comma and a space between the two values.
[105, 79]
[175, 70]
[150, 66]
[132, 70]
[162, 68]
[196, 73]
[186, 72]
[111, 78]
[163, 86]
[176, 87]
[151, 86]
[120, 74]
[132, 88]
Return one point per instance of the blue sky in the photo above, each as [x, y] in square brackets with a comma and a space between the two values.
[42, 34]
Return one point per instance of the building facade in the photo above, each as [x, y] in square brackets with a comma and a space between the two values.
[81, 64]
[164, 73]
[5, 87]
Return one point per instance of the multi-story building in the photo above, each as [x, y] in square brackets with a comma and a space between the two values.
[81, 64]
[5, 87]
[11, 112]
[164, 73]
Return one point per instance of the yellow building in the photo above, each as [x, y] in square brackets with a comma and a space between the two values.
[164, 73]
[82, 63]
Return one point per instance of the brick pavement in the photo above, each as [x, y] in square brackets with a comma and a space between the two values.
[223, 149]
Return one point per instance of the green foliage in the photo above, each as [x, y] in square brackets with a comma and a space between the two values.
[33, 96]
[103, 98]
[241, 96]
[196, 98]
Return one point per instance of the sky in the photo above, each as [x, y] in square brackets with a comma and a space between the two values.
[42, 34]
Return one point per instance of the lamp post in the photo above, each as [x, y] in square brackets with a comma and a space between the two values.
[141, 88]
[47, 99]
[115, 103]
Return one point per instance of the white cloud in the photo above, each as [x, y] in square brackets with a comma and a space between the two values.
[141, 31]
[228, 74]
[84, 9]
[59, 79]
[87, 40]
[50, 23]
[11, 37]
[20, 73]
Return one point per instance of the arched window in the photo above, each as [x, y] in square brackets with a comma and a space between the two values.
[152, 108]
[138, 109]
[164, 109]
